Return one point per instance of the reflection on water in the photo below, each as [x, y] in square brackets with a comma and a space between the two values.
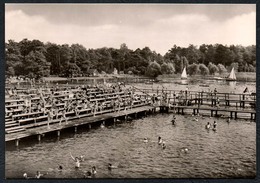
[229, 152]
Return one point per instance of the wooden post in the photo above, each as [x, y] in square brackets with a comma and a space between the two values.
[17, 142]
[58, 133]
[135, 115]
[39, 137]
[235, 115]
[231, 114]
[75, 129]
[211, 113]
[89, 126]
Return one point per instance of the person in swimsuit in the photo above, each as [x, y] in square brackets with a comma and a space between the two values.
[77, 160]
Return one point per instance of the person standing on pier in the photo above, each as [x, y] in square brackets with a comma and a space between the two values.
[63, 116]
[50, 118]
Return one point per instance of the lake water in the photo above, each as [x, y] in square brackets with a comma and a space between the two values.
[229, 152]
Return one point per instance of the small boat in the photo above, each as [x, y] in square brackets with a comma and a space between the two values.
[232, 76]
[184, 74]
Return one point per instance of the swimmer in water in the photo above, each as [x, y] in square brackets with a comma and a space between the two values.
[174, 121]
[184, 150]
[207, 126]
[228, 120]
[39, 175]
[102, 125]
[25, 176]
[93, 170]
[77, 160]
[60, 168]
[159, 140]
[87, 175]
[163, 145]
[145, 140]
[214, 125]
[110, 166]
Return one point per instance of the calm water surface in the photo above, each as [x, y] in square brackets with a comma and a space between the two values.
[230, 152]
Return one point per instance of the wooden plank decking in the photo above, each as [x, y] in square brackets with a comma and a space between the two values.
[89, 120]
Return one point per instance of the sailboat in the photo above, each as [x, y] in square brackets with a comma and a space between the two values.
[232, 76]
[184, 74]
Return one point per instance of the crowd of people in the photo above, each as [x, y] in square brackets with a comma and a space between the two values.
[56, 102]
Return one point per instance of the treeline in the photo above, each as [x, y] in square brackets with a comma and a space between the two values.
[36, 59]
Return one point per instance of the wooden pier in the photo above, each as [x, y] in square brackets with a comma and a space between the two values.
[232, 105]
[40, 131]
[215, 111]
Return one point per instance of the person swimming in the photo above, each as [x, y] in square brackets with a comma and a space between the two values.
[60, 168]
[102, 125]
[145, 140]
[110, 166]
[159, 140]
[93, 170]
[185, 150]
[88, 175]
[77, 160]
[228, 120]
[39, 175]
[174, 121]
[214, 125]
[207, 126]
[163, 145]
[25, 176]
[196, 119]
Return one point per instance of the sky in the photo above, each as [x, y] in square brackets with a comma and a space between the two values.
[158, 26]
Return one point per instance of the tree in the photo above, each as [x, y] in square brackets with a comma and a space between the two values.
[192, 54]
[212, 68]
[222, 69]
[178, 64]
[13, 58]
[153, 70]
[167, 68]
[36, 65]
[193, 69]
[203, 69]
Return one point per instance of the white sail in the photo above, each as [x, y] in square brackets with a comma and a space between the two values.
[232, 75]
[184, 74]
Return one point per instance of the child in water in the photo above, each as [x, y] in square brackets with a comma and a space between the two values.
[207, 126]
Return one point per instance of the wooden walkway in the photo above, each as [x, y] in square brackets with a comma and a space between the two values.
[215, 111]
[40, 131]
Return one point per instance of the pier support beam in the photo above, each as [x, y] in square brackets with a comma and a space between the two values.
[39, 137]
[235, 115]
[17, 142]
[58, 133]
[89, 126]
[75, 129]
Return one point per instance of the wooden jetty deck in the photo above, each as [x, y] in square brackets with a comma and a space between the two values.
[41, 130]
[215, 111]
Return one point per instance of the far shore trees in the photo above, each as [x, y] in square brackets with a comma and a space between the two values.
[34, 58]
